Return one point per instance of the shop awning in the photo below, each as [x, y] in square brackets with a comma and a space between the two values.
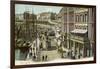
[79, 31]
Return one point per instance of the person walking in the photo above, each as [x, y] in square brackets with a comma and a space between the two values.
[46, 57]
[43, 58]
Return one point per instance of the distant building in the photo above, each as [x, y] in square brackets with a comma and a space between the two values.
[29, 16]
[19, 17]
[46, 16]
[25, 25]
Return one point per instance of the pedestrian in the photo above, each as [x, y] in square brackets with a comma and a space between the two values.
[43, 58]
[46, 57]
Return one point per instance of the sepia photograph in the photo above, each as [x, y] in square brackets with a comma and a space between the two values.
[45, 33]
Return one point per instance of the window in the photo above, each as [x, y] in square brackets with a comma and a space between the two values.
[80, 18]
[85, 17]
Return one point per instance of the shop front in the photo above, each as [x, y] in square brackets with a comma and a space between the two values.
[79, 45]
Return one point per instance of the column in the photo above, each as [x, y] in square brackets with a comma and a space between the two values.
[90, 29]
[84, 51]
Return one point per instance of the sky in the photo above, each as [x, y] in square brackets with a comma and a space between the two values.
[36, 9]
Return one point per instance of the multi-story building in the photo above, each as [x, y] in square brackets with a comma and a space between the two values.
[81, 36]
[78, 26]
[66, 19]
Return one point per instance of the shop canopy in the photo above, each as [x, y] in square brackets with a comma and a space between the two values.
[79, 31]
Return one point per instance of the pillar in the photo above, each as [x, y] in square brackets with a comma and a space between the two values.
[90, 29]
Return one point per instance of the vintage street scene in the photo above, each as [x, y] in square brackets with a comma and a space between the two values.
[52, 34]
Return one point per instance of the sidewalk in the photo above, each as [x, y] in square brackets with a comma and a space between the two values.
[17, 62]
